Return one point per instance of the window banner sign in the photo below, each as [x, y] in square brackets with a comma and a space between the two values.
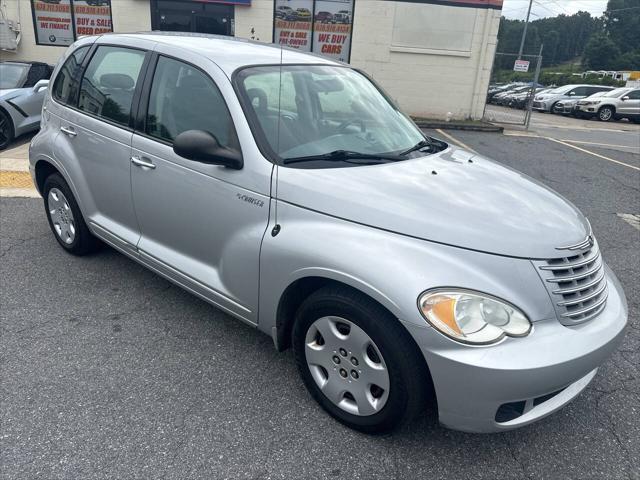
[92, 17]
[292, 23]
[61, 22]
[53, 22]
[332, 25]
[326, 31]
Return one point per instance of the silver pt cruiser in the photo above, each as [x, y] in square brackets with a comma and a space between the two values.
[289, 191]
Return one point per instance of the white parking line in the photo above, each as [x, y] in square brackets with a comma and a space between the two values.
[593, 153]
[631, 219]
[601, 144]
[456, 141]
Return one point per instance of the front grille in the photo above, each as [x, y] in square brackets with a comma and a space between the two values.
[537, 104]
[577, 285]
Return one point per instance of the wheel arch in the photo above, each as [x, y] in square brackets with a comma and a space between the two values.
[44, 169]
[303, 286]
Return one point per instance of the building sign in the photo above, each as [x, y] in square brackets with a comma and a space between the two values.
[92, 17]
[292, 23]
[494, 4]
[319, 26]
[332, 25]
[521, 66]
[61, 22]
[53, 22]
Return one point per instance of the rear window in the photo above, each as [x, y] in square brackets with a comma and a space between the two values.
[65, 84]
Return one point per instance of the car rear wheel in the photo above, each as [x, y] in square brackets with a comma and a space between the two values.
[65, 220]
[358, 362]
[6, 130]
[606, 114]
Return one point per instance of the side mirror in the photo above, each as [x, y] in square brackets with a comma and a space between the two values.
[572, 93]
[201, 146]
[625, 98]
[40, 85]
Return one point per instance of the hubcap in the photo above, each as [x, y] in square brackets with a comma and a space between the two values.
[61, 216]
[347, 366]
[605, 114]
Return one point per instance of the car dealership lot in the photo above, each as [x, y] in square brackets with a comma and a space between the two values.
[108, 371]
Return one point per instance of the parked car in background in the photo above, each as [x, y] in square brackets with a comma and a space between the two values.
[566, 107]
[285, 12]
[97, 3]
[303, 14]
[324, 17]
[22, 90]
[505, 97]
[619, 103]
[497, 89]
[474, 281]
[546, 101]
[519, 100]
[342, 16]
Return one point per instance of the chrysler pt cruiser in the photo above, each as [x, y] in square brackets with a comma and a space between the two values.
[289, 191]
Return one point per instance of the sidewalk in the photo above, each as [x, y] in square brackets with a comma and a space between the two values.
[15, 180]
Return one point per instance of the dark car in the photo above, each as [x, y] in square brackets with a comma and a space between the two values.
[324, 17]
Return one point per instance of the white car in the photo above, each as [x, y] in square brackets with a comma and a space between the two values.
[619, 103]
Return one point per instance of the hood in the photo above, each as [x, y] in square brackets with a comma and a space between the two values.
[480, 205]
[9, 93]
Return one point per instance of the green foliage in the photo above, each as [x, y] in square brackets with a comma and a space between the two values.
[601, 53]
[552, 78]
[611, 42]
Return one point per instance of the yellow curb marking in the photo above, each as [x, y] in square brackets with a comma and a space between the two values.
[12, 179]
[456, 141]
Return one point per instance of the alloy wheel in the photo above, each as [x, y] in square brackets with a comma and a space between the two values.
[605, 114]
[347, 366]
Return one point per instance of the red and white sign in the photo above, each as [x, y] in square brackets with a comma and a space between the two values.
[92, 17]
[52, 22]
[333, 21]
[521, 66]
[292, 23]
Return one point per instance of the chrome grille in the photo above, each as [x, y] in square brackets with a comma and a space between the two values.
[576, 283]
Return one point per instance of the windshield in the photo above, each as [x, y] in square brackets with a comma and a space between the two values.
[12, 75]
[310, 110]
[564, 89]
[618, 92]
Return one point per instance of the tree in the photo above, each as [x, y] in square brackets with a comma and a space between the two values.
[600, 53]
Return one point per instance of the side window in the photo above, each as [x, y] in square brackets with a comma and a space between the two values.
[593, 90]
[109, 82]
[634, 95]
[183, 98]
[579, 91]
[36, 73]
[64, 81]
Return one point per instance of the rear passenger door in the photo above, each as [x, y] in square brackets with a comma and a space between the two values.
[95, 138]
[631, 106]
[201, 224]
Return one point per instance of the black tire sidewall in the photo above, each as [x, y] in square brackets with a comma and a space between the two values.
[83, 242]
[373, 323]
[11, 131]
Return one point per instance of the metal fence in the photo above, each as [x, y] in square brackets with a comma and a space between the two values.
[510, 102]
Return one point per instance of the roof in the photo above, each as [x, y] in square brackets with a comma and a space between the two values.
[231, 53]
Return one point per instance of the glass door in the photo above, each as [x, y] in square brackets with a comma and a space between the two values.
[197, 17]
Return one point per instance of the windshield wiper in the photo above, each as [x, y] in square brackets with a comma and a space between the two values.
[418, 146]
[343, 155]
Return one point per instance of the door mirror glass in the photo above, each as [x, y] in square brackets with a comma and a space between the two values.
[201, 146]
[625, 98]
[572, 92]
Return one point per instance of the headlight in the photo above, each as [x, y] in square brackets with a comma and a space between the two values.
[588, 103]
[471, 317]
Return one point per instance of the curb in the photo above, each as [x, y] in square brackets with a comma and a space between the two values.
[480, 127]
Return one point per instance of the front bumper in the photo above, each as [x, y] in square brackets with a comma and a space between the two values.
[542, 372]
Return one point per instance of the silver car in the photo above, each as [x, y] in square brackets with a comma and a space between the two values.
[619, 103]
[546, 102]
[22, 90]
[290, 192]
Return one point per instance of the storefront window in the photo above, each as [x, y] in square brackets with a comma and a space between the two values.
[186, 16]
[319, 26]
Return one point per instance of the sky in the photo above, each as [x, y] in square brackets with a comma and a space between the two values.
[517, 9]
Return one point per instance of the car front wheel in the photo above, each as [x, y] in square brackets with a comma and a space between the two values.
[605, 114]
[6, 130]
[358, 362]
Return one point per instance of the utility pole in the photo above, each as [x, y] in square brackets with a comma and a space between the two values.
[524, 32]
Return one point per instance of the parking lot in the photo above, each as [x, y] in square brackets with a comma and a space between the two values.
[109, 371]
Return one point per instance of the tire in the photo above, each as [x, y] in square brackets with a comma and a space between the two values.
[7, 132]
[390, 349]
[635, 120]
[606, 113]
[65, 219]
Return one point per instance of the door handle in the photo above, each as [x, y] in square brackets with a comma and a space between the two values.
[68, 131]
[142, 162]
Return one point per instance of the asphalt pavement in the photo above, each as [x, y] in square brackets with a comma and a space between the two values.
[109, 371]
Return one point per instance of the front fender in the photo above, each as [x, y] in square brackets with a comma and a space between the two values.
[393, 269]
